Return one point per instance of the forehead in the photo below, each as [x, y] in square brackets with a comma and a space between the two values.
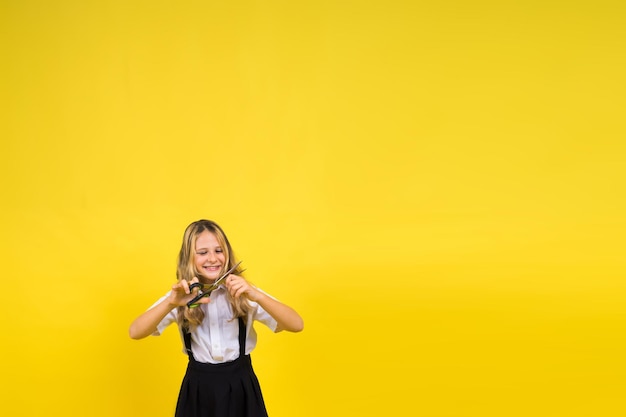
[207, 239]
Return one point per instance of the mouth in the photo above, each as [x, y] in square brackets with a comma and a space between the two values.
[212, 268]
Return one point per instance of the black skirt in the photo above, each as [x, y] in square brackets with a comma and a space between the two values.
[228, 389]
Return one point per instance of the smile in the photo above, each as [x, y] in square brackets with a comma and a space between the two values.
[213, 268]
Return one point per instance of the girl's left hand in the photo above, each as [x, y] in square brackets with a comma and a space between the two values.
[238, 286]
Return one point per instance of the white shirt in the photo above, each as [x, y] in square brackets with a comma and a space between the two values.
[215, 340]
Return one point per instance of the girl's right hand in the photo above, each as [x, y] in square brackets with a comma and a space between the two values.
[180, 294]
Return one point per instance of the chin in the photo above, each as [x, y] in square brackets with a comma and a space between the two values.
[211, 277]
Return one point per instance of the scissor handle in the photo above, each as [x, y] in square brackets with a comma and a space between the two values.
[193, 303]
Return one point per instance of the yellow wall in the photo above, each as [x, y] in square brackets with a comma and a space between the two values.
[438, 187]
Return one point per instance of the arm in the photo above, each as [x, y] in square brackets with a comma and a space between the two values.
[286, 317]
[146, 323]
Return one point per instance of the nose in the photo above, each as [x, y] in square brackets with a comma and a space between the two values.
[212, 257]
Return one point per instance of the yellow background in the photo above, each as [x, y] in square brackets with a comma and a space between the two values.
[437, 187]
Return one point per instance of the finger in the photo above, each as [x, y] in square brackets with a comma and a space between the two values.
[178, 286]
[233, 290]
[203, 300]
[241, 291]
[184, 285]
[196, 289]
[230, 282]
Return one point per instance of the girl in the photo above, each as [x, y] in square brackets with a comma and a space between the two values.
[218, 334]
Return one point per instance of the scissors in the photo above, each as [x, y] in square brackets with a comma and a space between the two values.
[208, 288]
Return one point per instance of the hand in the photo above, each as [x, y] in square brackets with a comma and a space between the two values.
[238, 286]
[180, 294]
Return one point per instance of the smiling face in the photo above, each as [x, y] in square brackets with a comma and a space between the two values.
[209, 257]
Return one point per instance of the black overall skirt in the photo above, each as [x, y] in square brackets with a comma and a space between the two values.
[229, 389]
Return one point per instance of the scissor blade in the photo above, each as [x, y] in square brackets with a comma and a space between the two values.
[210, 287]
[220, 279]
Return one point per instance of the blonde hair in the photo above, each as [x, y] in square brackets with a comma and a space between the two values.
[189, 318]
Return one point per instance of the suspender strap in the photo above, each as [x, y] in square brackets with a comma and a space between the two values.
[242, 340]
[187, 337]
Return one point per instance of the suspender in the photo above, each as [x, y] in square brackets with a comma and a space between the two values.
[242, 340]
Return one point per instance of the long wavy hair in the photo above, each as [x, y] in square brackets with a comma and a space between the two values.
[189, 318]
